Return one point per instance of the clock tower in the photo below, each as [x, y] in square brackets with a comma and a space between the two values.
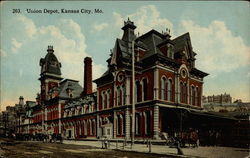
[50, 74]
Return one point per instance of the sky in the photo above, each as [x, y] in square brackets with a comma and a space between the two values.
[219, 34]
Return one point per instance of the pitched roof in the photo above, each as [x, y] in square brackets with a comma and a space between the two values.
[183, 41]
[76, 88]
[151, 40]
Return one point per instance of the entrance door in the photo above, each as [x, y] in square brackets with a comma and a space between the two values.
[108, 132]
[70, 134]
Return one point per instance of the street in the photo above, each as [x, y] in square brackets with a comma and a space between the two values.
[23, 149]
[71, 149]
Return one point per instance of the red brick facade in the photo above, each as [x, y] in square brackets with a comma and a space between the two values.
[165, 80]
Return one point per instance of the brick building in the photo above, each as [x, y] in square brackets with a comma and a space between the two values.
[167, 85]
[218, 99]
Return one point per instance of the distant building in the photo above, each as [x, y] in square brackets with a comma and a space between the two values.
[217, 99]
[8, 121]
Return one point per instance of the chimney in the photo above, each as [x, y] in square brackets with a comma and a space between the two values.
[87, 76]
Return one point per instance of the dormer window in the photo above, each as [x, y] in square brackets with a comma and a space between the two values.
[69, 91]
[137, 56]
[170, 51]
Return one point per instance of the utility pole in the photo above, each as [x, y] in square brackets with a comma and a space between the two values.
[133, 95]
[42, 111]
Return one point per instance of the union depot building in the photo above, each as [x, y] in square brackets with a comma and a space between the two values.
[168, 90]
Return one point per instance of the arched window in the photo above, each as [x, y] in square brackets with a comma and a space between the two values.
[181, 92]
[122, 125]
[90, 108]
[145, 123]
[108, 99]
[192, 96]
[119, 96]
[170, 51]
[163, 88]
[184, 93]
[145, 89]
[87, 109]
[137, 123]
[105, 100]
[148, 122]
[90, 127]
[118, 125]
[85, 127]
[197, 96]
[94, 129]
[137, 91]
[82, 128]
[169, 92]
[124, 94]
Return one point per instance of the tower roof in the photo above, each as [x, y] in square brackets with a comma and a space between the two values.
[50, 64]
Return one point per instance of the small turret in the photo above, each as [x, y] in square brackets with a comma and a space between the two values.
[128, 34]
[21, 102]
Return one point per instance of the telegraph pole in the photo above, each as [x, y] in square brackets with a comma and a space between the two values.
[43, 117]
[133, 95]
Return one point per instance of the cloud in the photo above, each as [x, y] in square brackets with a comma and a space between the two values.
[248, 74]
[216, 45]
[70, 48]
[27, 25]
[15, 45]
[69, 44]
[98, 69]
[100, 27]
[118, 19]
[145, 18]
[3, 53]
[20, 73]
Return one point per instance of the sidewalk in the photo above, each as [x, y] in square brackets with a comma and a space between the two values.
[204, 152]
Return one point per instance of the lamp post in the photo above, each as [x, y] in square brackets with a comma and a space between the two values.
[133, 96]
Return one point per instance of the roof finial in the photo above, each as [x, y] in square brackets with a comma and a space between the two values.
[167, 30]
[50, 49]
